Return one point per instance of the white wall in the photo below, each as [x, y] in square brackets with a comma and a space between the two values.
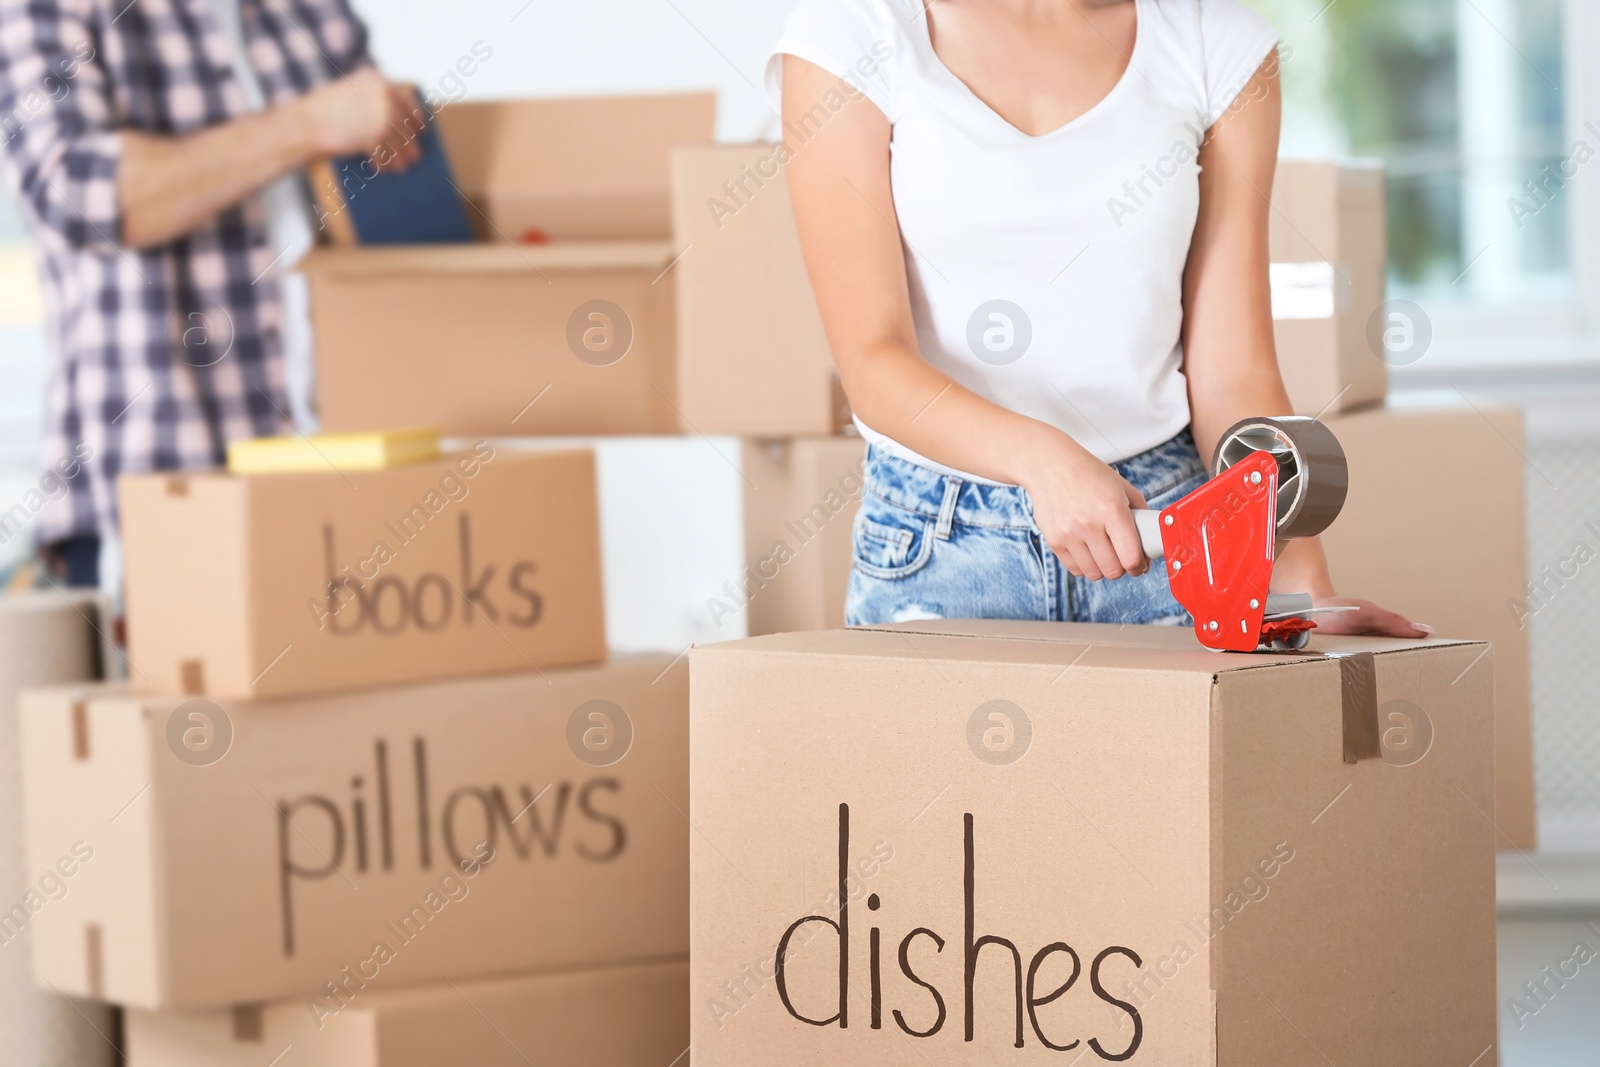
[559, 47]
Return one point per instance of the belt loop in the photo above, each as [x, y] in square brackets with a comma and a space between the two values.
[947, 508]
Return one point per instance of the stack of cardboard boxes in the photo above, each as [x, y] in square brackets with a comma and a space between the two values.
[375, 793]
[375, 789]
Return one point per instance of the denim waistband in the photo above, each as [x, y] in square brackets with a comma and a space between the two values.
[927, 492]
[946, 498]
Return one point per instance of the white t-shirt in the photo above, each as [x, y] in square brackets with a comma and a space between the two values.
[1046, 272]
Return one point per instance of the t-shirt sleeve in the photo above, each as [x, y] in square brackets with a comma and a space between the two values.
[1235, 39]
[857, 40]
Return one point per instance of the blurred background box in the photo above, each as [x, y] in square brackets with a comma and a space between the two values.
[483, 341]
[753, 359]
[569, 199]
[800, 501]
[46, 638]
[633, 1016]
[1435, 527]
[1112, 789]
[277, 584]
[572, 168]
[1327, 247]
[305, 833]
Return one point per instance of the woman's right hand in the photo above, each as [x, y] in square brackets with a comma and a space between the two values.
[1082, 508]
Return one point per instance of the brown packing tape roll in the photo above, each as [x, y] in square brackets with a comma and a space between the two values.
[1312, 467]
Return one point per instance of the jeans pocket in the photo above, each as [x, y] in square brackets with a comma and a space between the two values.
[892, 543]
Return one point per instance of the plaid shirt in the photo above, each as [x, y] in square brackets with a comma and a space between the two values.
[163, 356]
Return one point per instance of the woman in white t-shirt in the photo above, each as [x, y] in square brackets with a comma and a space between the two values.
[1036, 230]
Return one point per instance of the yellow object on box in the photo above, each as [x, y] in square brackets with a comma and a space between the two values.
[338, 451]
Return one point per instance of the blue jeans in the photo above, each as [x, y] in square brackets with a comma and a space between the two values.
[930, 546]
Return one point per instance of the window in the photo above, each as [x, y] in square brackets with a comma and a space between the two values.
[1467, 103]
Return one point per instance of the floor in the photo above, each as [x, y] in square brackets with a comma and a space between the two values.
[1549, 907]
[1564, 1029]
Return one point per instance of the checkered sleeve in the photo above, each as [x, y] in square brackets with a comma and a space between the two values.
[349, 33]
[62, 147]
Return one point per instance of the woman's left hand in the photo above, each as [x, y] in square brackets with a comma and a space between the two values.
[1368, 618]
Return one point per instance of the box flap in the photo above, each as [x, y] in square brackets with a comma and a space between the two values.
[575, 169]
[1163, 648]
[490, 258]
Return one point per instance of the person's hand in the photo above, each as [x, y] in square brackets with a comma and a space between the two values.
[1368, 618]
[1081, 506]
[366, 113]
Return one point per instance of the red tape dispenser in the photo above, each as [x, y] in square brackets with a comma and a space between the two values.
[1273, 479]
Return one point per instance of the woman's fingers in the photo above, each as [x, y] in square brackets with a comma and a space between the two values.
[1111, 551]
[1105, 554]
[1393, 624]
[1124, 535]
[1078, 560]
[1368, 618]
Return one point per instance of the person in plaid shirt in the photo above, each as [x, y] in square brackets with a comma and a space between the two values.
[156, 148]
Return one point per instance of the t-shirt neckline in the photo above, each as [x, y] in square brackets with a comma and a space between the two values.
[925, 42]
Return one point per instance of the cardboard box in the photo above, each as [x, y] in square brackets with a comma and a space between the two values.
[613, 1017]
[1108, 835]
[273, 585]
[573, 168]
[800, 502]
[230, 853]
[485, 341]
[753, 359]
[1327, 244]
[1435, 526]
[560, 321]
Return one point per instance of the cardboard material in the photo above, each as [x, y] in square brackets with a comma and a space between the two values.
[573, 168]
[800, 502]
[569, 202]
[1121, 844]
[272, 585]
[613, 1017]
[496, 340]
[233, 852]
[1435, 526]
[753, 359]
[1327, 244]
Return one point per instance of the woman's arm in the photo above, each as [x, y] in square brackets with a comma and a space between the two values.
[169, 186]
[844, 210]
[1229, 355]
